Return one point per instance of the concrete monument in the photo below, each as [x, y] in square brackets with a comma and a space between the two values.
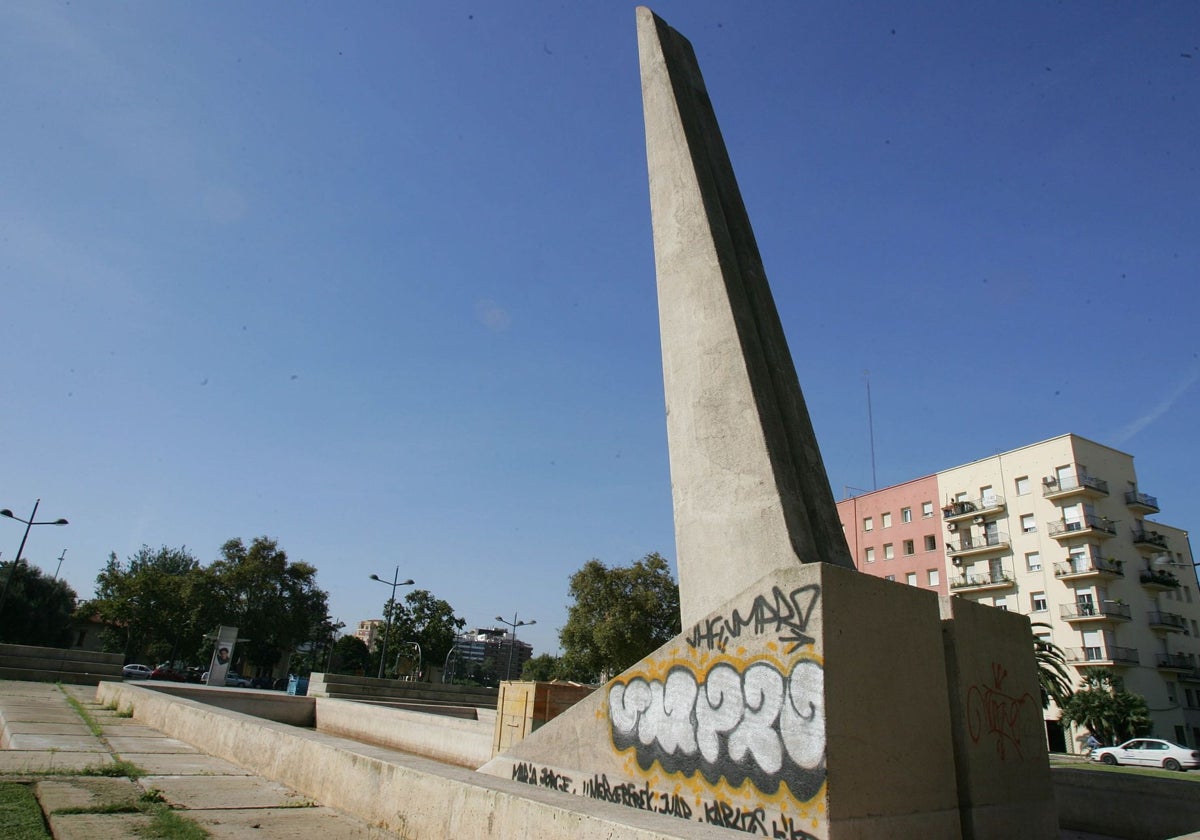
[803, 699]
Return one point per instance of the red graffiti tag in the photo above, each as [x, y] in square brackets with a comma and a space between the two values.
[992, 712]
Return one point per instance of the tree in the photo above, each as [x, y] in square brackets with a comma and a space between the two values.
[1106, 709]
[350, 656]
[619, 615]
[147, 604]
[543, 668]
[275, 604]
[421, 618]
[36, 610]
[1053, 673]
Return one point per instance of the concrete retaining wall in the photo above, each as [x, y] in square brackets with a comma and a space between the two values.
[429, 696]
[66, 665]
[416, 798]
[466, 743]
[1125, 805]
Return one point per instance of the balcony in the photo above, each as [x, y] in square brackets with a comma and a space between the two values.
[1074, 485]
[1087, 567]
[1149, 540]
[968, 509]
[1091, 525]
[1158, 581]
[1083, 657]
[968, 545]
[979, 583]
[1140, 502]
[1166, 622]
[1105, 611]
[1179, 662]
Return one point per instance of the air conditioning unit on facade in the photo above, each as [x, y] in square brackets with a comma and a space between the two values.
[957, 561]
[979, 520]
[1049, 481]
[951, 526]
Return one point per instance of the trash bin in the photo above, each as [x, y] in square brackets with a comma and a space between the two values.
[298, 686]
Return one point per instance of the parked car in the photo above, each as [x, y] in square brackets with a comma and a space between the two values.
[137, 672]
[232, 679]
[169, 672]
[1149, 752]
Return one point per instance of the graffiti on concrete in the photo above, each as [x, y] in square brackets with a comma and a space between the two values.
[784, 613]
[759, 725]
[991, 712]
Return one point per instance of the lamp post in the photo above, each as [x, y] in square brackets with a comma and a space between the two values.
[514, 624]
[29, 523]
[394, 583]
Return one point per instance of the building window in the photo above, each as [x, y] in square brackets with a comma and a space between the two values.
[887, 520]
[910, 548]
[868, 523]
[1028, 524]
[906, 514]
[1002, 604]
[1171, 695]
[888, 551]
[869, 554]
[911, 578]
[934, 579]
[926, 509]
[930, 542]
[1033, 561]
[1195, 628]
[1023, 485]
[1037, 601]
[1187, 593]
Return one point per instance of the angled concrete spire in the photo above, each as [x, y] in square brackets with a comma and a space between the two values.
[750, 490]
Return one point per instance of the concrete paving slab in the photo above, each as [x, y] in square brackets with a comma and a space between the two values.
[40, 714]
[285, 824]
[61, 743]
[30, 728]
[161, 744]
[83, 792]
[219, 792]
[180, 764]
[129, 730]
[29, 761]
[98, 826]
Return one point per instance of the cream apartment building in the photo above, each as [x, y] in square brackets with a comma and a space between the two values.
[1061, 531]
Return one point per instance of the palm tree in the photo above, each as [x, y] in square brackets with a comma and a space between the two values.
[1053, 673]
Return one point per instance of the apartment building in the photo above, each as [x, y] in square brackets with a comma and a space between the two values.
[1059, 531]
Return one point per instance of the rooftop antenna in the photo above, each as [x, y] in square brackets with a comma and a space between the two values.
[871, 430]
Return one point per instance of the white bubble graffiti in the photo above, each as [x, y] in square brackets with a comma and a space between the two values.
[758, 724]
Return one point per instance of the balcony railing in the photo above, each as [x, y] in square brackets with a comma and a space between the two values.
[1089, 566]
[1109, 655]
[1174, 661]
[1142, 502]
[1090, 524]
[1157, 579]
[1166, 620]
[991, 580]
[967, 544]
[964, 509]
[1053, 488]
[1104, 611]
[1144, 538]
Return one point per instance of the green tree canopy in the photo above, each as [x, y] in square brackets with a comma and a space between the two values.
[36, 610]
[619, 615]
[1106, 709]
[1053, 673]
[420, 618]
[147, 604]
[350, 656]
[543, 668]
[275, 604]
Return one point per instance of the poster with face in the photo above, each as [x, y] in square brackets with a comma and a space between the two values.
[222, 655]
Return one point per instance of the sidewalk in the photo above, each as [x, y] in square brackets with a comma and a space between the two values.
[41, 731]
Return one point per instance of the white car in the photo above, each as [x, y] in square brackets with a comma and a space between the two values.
[136, 672]
[1149, 752]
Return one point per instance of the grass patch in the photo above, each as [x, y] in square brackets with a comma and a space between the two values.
[118, 769]
[20, 814]
[165, 824]
[86, 715]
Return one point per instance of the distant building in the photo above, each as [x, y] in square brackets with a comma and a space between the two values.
[369, 632]
[487, 655]
[1055, 530]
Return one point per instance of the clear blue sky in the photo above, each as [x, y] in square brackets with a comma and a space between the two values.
[376, 280]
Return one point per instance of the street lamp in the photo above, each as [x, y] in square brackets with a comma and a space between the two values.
[514, 624]
[394, 583]
[29, 523]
